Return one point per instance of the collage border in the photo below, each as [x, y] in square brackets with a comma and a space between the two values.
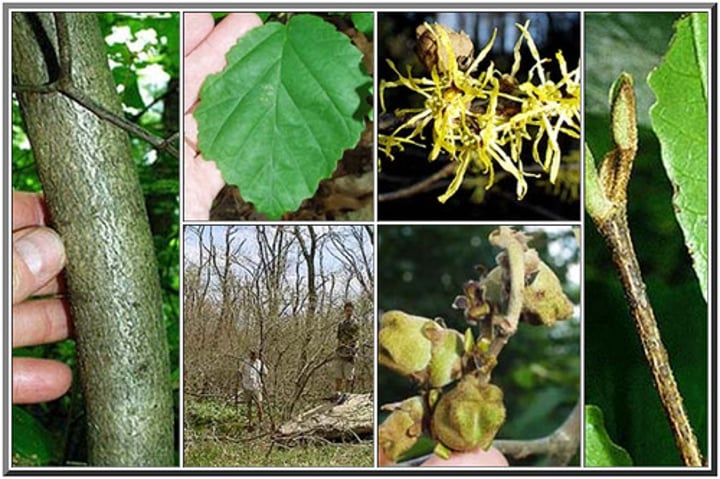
[376, 7]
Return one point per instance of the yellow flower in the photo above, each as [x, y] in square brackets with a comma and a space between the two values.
[483, 120]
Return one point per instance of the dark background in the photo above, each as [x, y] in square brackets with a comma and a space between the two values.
[617, 376]
[422, 268]
[396, 41]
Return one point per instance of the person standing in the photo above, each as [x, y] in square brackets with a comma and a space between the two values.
[253, 373]
[346, 351]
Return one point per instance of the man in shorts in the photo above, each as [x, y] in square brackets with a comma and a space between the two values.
[252, 383]
[347, 337]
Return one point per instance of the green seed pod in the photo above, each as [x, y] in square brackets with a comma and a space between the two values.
[404, 343]
[402, 428]
[447, 351]
[469, 415]
[493, 286]
[544, 301]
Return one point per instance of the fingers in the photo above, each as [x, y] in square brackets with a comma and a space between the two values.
[56, 285]
[38, 256]
[197, 26]
[40, 322]
[382, 458]
[28, 209]
[39, 380]
[209, 55]
[203, 180]
[490, 458]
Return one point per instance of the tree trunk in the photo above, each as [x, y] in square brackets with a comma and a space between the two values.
[96, 204]
[350, 420]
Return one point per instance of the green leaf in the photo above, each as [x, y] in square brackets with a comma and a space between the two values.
[278, 118]
[32, 444]
[679, 118]
[600, 451]
[131, 93]
[363, 21]
[217, 16]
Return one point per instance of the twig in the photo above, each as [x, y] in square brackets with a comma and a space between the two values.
[420, 186]
[560, 446]
[449, 169]
[514, 243]
[65, 86]
[505, 237]
[606, 203]
[158, 143]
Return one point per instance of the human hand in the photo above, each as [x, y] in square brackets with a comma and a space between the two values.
[205, 49]
[38, 258]
[490, 458]
[477, 458]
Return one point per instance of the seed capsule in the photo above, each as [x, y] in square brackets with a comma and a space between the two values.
[436, 54]
[404, 343]
[544, 301]
[469, 415]
[402, 428]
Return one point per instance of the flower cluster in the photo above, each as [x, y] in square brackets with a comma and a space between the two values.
[483, 120]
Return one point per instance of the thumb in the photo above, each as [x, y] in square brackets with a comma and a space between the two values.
[38, 256]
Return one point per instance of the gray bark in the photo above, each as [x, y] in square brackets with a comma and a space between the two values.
[96, 204]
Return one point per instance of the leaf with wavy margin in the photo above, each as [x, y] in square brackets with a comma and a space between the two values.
[680, 120]
[278, 118]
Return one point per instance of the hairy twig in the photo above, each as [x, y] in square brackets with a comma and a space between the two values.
[606, 204]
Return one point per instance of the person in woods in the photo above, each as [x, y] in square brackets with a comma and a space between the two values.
[346, 351]
[253, 373]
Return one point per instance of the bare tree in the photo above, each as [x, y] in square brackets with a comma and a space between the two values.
[286, 286]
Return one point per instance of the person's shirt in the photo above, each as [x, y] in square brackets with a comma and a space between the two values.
[252, 375]
[347, 337]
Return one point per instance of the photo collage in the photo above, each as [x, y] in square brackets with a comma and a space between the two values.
[361, 239]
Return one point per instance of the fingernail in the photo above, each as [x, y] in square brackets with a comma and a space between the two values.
[40, 248]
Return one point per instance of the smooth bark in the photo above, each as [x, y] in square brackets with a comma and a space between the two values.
[96, 203]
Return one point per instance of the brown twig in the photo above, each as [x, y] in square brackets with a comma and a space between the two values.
[449, 169]
[616, 232]
[420, 186]
[606, 203]
[65, 86]
[559, 447]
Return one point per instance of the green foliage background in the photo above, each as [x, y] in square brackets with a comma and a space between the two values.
[145, 69]
[617, 377]
[422, 269]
